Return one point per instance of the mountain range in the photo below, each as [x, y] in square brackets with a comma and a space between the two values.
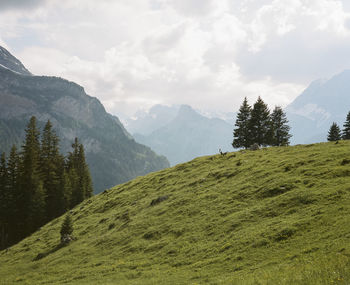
[324, 101]
[181, 134]
[112, 153]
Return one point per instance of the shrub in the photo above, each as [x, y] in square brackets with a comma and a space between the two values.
[66, 229]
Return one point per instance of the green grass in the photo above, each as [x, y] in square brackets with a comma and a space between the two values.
[272, 216]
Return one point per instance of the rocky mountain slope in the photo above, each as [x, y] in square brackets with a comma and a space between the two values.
[278, 215]
[112, 154]
[189, 135]
[8, 61]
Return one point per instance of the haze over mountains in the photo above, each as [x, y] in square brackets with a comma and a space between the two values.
[181, 134]
[178, 132]
[323, 102]
[112, 154]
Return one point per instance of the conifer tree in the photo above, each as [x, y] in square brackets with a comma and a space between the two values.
[38, 185]
[79, 174]
[31, 184]
[280, 129]
[334, 133]
[346, 129]
[66, 229]
[260, 124]
[73, 174]
[67, 189]
[13, 171]
[4, 203]
[241, 134]
[51, 167]
[86, 183]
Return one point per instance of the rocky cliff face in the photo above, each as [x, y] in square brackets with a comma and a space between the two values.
[8, 61]
[113, 155]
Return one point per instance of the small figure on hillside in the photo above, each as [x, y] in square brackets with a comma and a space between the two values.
[254, 146]
[222, 153]
[67, 230]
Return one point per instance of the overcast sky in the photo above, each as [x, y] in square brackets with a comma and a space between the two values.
[206, 53]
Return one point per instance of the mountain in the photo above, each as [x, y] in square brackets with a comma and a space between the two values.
[158, 116]
[112, 154]
[8, 61]
[278, 215]
[189, 135]
[323, 102]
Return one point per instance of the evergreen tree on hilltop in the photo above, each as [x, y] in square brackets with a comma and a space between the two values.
[346, 130]
[260, 124]
[334, 133]
[32, 206]
[280, 129]
[52, 167]
[241, 134]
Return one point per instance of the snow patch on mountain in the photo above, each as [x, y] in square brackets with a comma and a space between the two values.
[9, 62]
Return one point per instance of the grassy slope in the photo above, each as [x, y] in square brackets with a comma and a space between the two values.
[272, 216]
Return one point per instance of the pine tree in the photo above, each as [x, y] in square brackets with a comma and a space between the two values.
[5, 203]
[86, 183]
[66, 229]
[74, 175]
[79, 174]
[241, 134]
[280, 129]
[38, 184]
[334, 133]
[346, 130]
[13, 169]
[31, 185]
[51, 168]
[260, 124]
[67, 189]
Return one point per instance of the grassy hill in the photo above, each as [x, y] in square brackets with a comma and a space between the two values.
[271, 216]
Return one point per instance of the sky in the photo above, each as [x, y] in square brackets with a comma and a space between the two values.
[209, 54]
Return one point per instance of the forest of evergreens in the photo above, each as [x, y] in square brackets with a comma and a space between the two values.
[38, 183]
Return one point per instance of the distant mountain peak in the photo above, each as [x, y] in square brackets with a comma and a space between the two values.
[324, 101]
[186, 111]
[8, 61]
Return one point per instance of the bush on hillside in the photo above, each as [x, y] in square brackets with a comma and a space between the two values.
[67, 230]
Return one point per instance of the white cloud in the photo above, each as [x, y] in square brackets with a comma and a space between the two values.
[132, 54]
[19, 4]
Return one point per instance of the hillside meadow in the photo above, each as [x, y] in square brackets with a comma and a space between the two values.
[278, 215]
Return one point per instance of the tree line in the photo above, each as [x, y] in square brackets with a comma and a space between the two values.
[256, 125]
[38, 184]
[335, 134]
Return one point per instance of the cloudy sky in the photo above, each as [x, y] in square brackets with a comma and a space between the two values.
[206, 53]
